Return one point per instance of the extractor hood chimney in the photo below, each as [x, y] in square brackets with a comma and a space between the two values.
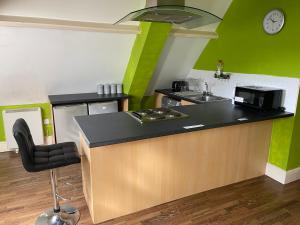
[172, 11]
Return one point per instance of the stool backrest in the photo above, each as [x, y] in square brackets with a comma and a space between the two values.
[25, 142]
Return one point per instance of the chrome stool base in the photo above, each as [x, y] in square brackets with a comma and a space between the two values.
[67, 216]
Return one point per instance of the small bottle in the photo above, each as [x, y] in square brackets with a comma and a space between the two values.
[220, 67]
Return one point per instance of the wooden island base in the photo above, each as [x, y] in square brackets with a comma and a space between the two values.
[124, 178]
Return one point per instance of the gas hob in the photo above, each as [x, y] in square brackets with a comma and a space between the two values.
[152, 115]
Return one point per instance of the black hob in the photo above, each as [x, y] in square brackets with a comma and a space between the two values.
[152, 115]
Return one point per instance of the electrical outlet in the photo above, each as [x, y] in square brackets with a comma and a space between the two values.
[46, 121]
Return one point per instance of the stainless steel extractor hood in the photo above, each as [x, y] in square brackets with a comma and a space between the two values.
[172, 11]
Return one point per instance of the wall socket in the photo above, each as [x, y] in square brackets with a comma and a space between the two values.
[46, 121]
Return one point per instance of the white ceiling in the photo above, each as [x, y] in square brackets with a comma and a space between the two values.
[105, 11]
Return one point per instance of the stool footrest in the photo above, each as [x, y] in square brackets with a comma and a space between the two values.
[62, 198]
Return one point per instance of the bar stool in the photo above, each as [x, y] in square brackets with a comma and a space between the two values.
[37, 158]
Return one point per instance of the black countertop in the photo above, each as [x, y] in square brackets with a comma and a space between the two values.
[84, 98]
[170, 93]
[113, 128]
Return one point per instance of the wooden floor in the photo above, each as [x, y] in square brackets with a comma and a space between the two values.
[23, 196]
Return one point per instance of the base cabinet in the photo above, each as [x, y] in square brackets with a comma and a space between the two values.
[121, 179]
[183, 102]
[158, 99]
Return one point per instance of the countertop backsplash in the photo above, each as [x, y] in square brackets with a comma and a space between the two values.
[226, 88]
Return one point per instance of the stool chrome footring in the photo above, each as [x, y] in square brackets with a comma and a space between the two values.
[67, 216]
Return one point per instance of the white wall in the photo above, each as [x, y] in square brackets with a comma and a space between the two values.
[38, 62]
[176, 61]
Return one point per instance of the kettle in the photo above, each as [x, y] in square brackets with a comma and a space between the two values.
[178, 86]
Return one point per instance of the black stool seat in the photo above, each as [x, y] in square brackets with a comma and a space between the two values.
[54, 156]
[37, 158]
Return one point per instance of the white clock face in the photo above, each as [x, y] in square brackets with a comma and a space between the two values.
[274, 21]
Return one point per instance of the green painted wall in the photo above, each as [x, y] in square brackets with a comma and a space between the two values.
[282, 133]
[143, 60]
[294, 157]
[46, 114]
[148, 102]
[246, 48]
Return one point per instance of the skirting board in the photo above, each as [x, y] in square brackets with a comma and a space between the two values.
[3, 147]
[281, 175]
[47, 140]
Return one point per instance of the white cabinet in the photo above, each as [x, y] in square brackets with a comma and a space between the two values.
[103, 107]
[66, 128]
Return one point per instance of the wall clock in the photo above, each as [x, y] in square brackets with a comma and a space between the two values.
[274, 21]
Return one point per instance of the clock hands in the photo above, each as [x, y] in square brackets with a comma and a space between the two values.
[273, 21]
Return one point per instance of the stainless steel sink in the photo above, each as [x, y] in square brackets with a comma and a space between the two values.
[187, 93]
[207, 98]
[200, 97]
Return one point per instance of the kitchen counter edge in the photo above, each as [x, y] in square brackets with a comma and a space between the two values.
[68, 99]
[165, 132]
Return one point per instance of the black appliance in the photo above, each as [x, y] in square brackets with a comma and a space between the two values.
[152, 115]
[180, 85]
[260, 98]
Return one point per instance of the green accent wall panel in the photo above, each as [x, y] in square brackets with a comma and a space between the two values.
[281, 140]
[294, 157]
[148, 102]
[246, 48]
[46, 114]
[144, 57]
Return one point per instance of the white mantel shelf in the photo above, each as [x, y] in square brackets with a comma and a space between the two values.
[17, 21]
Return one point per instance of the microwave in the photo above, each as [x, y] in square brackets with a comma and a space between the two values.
[260, 98]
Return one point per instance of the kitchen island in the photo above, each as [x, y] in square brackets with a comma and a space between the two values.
[128, 166]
